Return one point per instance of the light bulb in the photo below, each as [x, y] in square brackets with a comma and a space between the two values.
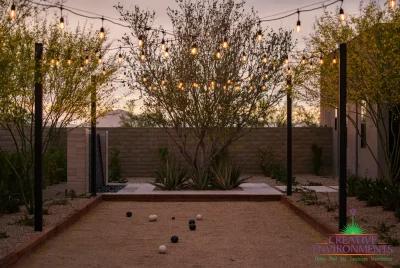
[57, 62]
[81, 68]
[163, 46]
[124, 74]
[287, 60]
[265, 75]
[166, 54]
[102, 33]
[163, 82]
[251, 87]
[237, 87]
[194, 50]
[104, 71]
[259, 36]
[87, 60]
[218, 54]
[225, 43]
[289, 70]
[52, 61]
[229, 82]
[321, 60]
[244, 57]
[142, 57]
[69, 62]
[141, 41]
[100, 61]
[303, 61]
[62, 24]
[392, 3]
[212, 84]
[250, 78]
[298, 28]
[311, 66]
[264, 59]
[195, 85]
[264, 87]
[120, 58]
[334, 61]
[13, 13]
[342, 16]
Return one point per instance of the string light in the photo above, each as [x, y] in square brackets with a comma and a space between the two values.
[303, 61]
[194, 50]
[237, 87]
[104, 71]
[120, 58]
[334, 61]
[259, 36]
[229, 82]
[195, 85]
[52, 61]
[392, 3]
[265, 75]
[102, 34]
[311, 65]
[141, 41]
[81, 68]
[142, 57]
[163, 46]
[250, 78]
[225, 43]
[13, 13]
[244, 57]
[58, 62]
[69, 61]
[212, 84]
[144, 79]
[286, 59]
[298, 28]
[100, 61]
[166, 54]
[218, 54]
[264, 59]
[62, 24]
[321, 60]
[342, 16]
[87, 60]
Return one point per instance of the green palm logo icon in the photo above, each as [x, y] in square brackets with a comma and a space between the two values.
[353, 228]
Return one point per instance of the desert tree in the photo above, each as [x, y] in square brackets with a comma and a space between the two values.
[69, 63]
[204, 80]
[373, 65]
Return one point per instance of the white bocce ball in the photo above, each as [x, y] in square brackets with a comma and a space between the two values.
[152, 217]
[162, 249]
[155, 217]
[199, 217]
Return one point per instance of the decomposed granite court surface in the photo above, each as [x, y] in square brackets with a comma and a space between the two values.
[231, 234]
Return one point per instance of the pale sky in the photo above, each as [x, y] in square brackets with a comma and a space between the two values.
[264, 7]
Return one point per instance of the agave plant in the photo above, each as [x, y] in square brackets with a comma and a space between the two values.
[200, 178]
[226, 176]
[171, 175]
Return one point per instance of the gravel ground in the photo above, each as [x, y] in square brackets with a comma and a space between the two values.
[231, 234]
[17, 234]
[367, 217]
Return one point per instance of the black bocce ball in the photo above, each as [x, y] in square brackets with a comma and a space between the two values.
[192, 222]
[192, 227]
[174, 239]
[129, 214]
[173, 218]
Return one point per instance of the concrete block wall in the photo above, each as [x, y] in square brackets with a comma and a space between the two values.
[139, 147]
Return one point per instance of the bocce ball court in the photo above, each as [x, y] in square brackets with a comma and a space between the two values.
[230, 234]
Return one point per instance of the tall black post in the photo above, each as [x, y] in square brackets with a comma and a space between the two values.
[356, 168]
[289, 136]
[93, 136]
[38, 195]
[342, 137]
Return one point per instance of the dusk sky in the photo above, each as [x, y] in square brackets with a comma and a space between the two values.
[264, 7]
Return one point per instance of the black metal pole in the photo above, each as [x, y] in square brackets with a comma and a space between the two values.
[289, 136]
[38, 195]
[342, 137]
[93, 136]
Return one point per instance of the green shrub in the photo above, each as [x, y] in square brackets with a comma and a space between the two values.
[26, 220]
[114, 167]
[171, 175]
[352, 184]
[383, 232]
[10, 192]
[3, 235]
[267, 161]
[391, 197]
[226, 176]
[55, 166]
[364, 189]
[317, 158]
[163, 154]
[279, 173]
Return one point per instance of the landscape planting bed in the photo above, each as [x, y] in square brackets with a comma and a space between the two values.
[231, 234]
